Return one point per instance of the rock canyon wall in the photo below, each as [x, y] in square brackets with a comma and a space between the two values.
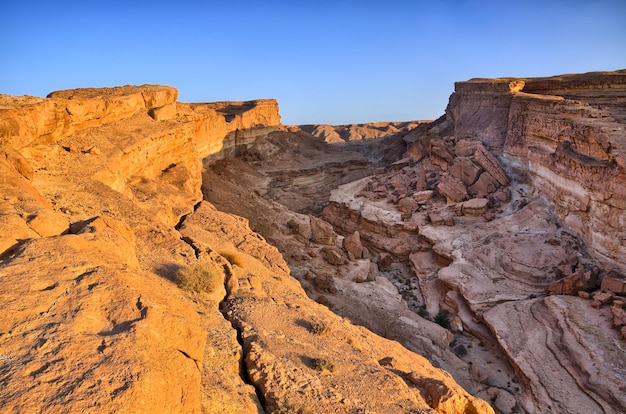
[162, 256]
[124, 291]
[516, 193]
[567, 134]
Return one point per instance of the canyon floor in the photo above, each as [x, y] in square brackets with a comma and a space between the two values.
[158, 256]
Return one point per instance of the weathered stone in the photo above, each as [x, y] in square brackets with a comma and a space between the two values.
[384, 262]
[423, 196]
[619, 316]
[17, 162]
[479, 374]
[484, 186]
[324, 283]
[573, 284]
[465, 170]
[452, 189]
[475, 206]
[440, 154]
[407, 205]
[163, 113]
[333, 255]
[505, 402]
[321, 231]
[615, 283]
[304, 230]
[491, 165]
[352, 245]
[603, 297]
[441, 218]
[456, 324]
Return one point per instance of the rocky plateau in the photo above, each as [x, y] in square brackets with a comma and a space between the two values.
[158, 256]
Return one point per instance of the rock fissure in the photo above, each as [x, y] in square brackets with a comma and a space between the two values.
[243, 372]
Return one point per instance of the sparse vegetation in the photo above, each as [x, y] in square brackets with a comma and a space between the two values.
[285, 407]
[232, 258]
[200, 277]
[442, 318]
[319, 328]
[460, 350]
[320, 364]
[423, 312]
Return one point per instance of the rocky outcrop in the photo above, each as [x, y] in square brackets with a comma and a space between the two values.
[338, 134]
[301, 356]
[566, 132]
[512, 195]
[225, 129]
[86, 329]
[29, 120]
[569, 342]
[100, 213]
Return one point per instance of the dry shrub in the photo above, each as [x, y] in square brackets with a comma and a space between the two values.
[320, 364]
[200, 277]
[232, 258]
[320, 328]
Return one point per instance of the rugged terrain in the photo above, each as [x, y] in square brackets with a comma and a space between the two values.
[161, 256]
[102, 211]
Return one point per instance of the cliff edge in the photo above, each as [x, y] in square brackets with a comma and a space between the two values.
[124, 291]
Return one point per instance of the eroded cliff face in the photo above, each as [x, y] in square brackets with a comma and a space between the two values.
[481, 254]
[567, 134]
[512, 196]
[102, 209]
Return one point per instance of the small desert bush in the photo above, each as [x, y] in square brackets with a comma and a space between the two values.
[319, 328]
[443, 318]
[285, 407]
[200, 277]
[320, 364]
[232, 258]
[423, 312]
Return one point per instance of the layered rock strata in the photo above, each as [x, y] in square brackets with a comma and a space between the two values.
[101, 212]
[548, 219]
[567, 133]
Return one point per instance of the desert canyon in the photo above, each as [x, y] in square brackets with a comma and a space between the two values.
[166, 257]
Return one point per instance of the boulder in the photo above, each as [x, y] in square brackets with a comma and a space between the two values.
[321, 231]
[385, 261]
[352, 245]
[491, 165]
[475, 206]
[423, 196]
[580, 280]
[619, 317]
[479, 374]
[333, 255]
[484, 186]
[614, 282]
[452, 189]
[407, 205]
[465, 170]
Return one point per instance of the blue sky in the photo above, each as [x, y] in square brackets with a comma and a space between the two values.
[325, 61]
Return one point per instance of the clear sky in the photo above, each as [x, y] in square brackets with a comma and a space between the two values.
[325, 61]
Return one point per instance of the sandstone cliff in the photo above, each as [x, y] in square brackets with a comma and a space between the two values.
[568, 134]
[102, 210]
[475, 258]
[514, 194]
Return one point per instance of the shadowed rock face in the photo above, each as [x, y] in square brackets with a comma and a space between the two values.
[101, 210]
